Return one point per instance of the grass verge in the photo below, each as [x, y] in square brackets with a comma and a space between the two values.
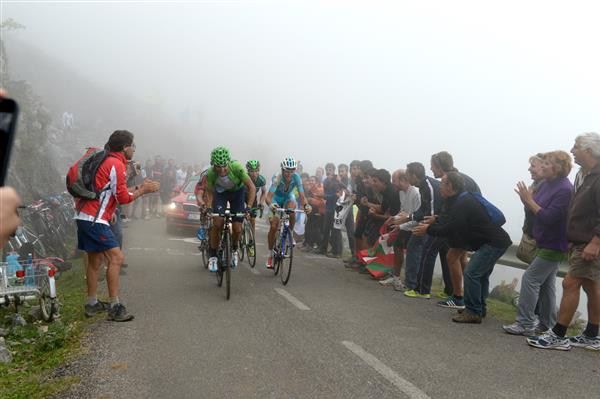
[38, 353]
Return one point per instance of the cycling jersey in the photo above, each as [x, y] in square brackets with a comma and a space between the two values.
[233, 181]
[260, 182]
[281, 195]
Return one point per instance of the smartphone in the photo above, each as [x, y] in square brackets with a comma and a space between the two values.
[9, 111]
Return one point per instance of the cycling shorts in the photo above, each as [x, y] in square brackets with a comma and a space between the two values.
[283, 201]
[236, 199]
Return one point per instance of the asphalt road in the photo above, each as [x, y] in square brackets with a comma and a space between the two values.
[331, 333]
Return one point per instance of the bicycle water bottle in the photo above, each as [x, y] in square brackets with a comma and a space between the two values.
[201, 233]
[13, 263]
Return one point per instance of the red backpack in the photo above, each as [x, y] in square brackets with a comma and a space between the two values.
[81, 178]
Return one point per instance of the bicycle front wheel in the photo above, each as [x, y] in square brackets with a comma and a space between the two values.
[250, 246]
[243, 243]
[286, 261]
[227, 265]
[204, 252]
[48, 305]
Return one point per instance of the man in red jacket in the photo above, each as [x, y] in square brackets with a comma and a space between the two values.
[93, 224]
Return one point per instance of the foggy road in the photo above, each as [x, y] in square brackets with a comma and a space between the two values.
[330, 333]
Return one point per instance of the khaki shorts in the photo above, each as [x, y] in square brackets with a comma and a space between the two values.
[583, 269]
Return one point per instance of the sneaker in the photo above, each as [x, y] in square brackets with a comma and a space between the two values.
[415, 294]
[517, 329]
[467, 317]
[99, 307]
[581, 341]
[442, 295]
[269, 262]
[212, 264]
[399, 285]
[550, 340]
[388, 281]
[117, 312]
[234, 259]
[452, 303]
[250, 250]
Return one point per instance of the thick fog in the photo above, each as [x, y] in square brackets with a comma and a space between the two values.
[490, 82]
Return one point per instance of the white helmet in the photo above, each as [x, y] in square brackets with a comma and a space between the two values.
[289, 163]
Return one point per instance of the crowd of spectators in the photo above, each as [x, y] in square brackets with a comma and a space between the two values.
[445, 216]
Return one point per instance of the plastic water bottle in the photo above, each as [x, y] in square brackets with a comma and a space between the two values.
[29, 270]
[13, 263]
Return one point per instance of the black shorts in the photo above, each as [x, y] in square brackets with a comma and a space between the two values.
[236, 200]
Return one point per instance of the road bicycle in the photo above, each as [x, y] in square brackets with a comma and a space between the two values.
[206, 224]
[224, 257]
[248, 241]
[283, 251]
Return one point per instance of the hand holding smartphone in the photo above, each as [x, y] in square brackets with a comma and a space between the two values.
[9, 112]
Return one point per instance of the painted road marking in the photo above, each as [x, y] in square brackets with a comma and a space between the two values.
[405, 386]
[292, 299]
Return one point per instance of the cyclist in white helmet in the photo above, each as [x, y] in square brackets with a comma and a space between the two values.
[281, 195]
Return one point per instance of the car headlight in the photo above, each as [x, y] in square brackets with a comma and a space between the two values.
[173, 205]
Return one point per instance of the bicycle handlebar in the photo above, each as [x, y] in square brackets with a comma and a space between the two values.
[288, 211]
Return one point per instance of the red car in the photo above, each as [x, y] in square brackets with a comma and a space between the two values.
[183, 210]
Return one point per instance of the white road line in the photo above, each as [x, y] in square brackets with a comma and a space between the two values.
[260, 244]
[405, 386]
[292, 299]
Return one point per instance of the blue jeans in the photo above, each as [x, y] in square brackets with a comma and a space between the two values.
[477, 277]
[414, 248]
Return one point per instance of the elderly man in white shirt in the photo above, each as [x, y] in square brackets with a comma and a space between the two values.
[410, 201]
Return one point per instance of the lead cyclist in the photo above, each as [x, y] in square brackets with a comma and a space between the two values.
[226, 181]
[281, 195]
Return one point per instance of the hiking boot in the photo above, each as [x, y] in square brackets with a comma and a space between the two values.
[517, 329]
[581, 341]
[212, 264]
[388, 281]
[269, 262]
[415, 294]
[399, 285]
[467, 317]
[550, 340]
[117, 312]
[452, 303]
[99, 307]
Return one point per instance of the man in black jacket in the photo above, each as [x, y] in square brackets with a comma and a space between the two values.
[468, 226]
[423, 251]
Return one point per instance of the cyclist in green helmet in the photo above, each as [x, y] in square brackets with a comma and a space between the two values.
[226, 181]
[260, 182]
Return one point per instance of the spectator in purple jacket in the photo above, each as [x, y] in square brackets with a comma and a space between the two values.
[583, 235]
[549, 205]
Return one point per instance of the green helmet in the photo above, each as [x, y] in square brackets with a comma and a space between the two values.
[220, 156]
[252, 165]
